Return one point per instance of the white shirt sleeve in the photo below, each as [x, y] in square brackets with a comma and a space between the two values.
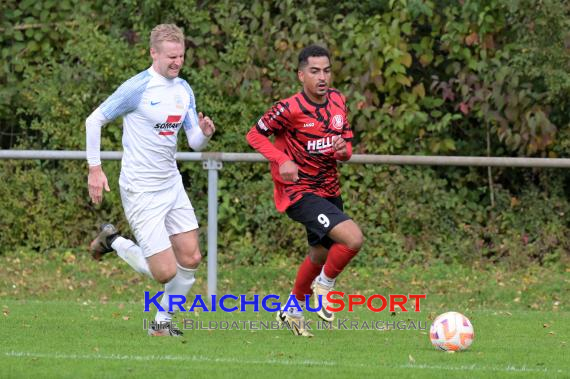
[125, 99]
[196, 139]
[93, 126]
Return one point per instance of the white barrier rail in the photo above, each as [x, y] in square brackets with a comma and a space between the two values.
[212, 161]
[356, 158]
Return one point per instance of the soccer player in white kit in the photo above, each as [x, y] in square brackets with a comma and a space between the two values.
[154, 105]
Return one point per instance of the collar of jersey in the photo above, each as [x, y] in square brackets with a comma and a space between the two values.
[308, 100]
[159, 77]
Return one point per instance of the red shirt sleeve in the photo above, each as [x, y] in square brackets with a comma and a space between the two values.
[274, 121]
[262, 144]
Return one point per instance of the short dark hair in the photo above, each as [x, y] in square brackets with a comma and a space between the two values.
[312, 51]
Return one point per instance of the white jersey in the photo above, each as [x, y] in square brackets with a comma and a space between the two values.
[153, 109]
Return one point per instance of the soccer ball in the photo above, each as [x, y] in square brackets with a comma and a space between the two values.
[451, 331]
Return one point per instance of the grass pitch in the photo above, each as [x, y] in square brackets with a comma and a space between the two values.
[66, 316]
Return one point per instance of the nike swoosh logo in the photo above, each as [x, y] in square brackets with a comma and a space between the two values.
[326, 313]
[323, 309]
[154, 102]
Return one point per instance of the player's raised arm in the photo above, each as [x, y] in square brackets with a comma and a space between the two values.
[257, 138]
[262, 144]
[199, 128]
[199, 132]
[274, 121]
[206, 125]
[342, 148]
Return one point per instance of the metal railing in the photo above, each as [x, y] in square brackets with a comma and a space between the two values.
[213, 162]
[356, 158]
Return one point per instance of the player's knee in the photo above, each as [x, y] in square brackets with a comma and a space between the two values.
[191, 260]
[164, 276]
[318, 254]
[318, 259]
[356, 240]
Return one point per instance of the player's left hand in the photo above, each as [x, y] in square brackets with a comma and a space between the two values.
[206, 124]
[339, 145]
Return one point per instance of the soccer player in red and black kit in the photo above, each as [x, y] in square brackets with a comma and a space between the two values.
[312, 133]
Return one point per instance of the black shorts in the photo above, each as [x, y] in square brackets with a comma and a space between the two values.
[319, 215]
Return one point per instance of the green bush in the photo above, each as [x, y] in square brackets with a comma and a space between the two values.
[421, 77]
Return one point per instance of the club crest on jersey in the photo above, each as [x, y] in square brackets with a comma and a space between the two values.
[320, 144]
[337, 122]
[169, 127]
[179, 102]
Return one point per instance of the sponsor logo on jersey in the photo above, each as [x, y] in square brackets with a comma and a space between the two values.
[319, 144]
[170, 126]
[154, 102]
[308, 125]
[337, 122]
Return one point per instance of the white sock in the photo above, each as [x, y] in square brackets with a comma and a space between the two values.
[179, 285]
[132, 254]
[325, 280]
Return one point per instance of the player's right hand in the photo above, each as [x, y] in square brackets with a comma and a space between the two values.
[289, 171]
[96, 181]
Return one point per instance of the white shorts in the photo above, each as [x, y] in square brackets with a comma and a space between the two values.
[155, 216]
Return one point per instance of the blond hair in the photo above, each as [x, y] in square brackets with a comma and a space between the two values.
[165, 32]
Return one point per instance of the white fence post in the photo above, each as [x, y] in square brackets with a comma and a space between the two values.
[212, 165]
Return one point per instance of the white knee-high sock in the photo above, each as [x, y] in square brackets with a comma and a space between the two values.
[179, 285]
[132, 254]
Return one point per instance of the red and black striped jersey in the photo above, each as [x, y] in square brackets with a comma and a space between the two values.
[303, 133]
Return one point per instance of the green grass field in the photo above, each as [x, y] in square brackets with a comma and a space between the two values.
[67, 316]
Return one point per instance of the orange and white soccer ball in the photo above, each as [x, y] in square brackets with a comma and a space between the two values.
[451, 331]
